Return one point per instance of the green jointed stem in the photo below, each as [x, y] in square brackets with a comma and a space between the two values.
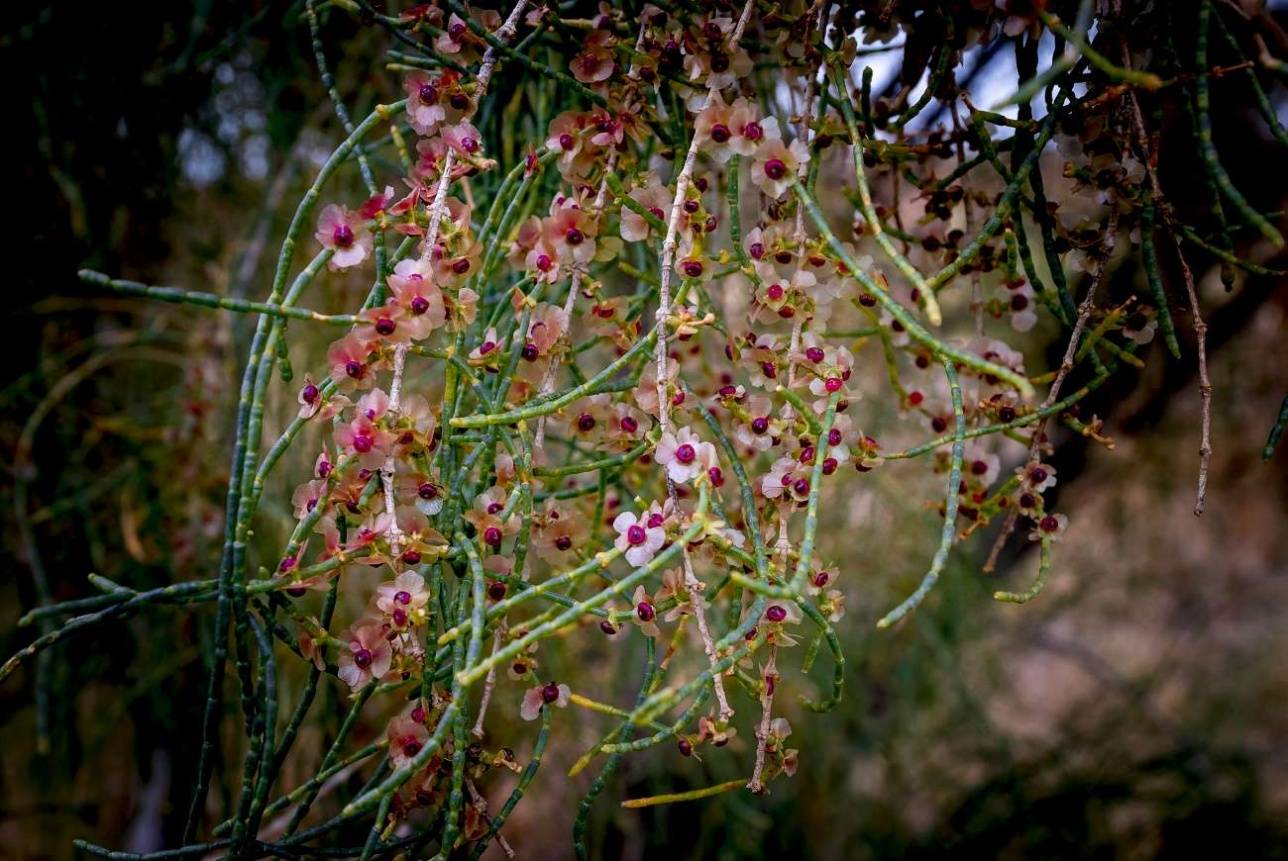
[1208, 148]
[950, 506]
[179, 296]
[1044, 568]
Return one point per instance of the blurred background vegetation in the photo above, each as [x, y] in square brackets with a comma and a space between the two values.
[1139, 709]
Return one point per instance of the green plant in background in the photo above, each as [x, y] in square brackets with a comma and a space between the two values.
[607, 376]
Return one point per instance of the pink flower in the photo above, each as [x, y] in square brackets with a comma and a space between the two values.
[777, 165]
[684, 455]
[640, 538]
[653, 197]
[403, 599]
[645, 612]
[369, 655]
[407, 736]
[543, 695]
[419, 298]
[424, 102]
[346, 233]
[348, 360]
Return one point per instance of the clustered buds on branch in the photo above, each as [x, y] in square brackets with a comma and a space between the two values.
[606, 378]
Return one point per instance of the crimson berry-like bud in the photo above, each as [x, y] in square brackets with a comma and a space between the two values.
[775, 169]
[629, 424]
[636, 535]
[563, 543]
[814, 354]
[608, 627]
[385, 326]
[492, 536]
[716, 476]
[585, 422]
[353, 368]
[692, 268]
[342, 236]
[309, 394]
[362, 658]
[566, 141]
[550, 693]
[645, 611]
[760, 425]
[685, 453]
[362, 443]
[829, 465]
[775, 613]
[753, 131]
[720, 133]
[529, 352]
[411, 557]
[496, 590]
[574, 236]
[419, 305]
[833, 384]
[686, 747]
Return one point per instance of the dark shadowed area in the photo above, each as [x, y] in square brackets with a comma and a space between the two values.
[1137, 709]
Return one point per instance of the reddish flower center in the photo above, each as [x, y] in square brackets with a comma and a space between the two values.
[814, 354]
[362, 658]
[563, 543]
[574, 236]
[362, 443]
[585, 422]
[385, 326]
[775, 613]
[752, 131]
[645, 611]
[550, 693]
[760, 425]
[309, 393]
[342, 236]
[720, 133]
[427, 491]
[629, 424]
[636, 535]
[428, 94]
[685, 453]
[419, 305]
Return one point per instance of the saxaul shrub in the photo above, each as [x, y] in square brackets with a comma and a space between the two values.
[605, 374]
